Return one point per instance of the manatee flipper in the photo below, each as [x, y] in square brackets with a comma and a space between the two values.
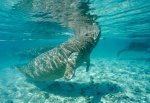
[69, 73]
[70, 68]
[87, 63]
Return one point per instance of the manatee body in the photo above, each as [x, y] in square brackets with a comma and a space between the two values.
[62, 60]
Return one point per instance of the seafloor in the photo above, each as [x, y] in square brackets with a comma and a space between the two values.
[108, 81]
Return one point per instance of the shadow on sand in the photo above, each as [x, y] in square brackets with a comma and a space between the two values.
[91, 91]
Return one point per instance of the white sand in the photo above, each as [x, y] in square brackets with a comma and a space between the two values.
[108, 81]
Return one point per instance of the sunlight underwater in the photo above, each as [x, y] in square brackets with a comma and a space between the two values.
[110, 79]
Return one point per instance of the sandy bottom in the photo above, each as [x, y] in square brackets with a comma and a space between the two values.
[108, 81]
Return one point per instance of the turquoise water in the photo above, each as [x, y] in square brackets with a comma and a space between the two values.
[120, 63]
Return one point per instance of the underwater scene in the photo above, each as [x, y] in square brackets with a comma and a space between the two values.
[74, 51]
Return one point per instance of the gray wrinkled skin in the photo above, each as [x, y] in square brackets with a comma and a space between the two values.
[62, 60]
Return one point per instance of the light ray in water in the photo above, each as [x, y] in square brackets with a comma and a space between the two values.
[32, 38]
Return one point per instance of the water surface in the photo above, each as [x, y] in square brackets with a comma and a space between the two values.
[119, 63]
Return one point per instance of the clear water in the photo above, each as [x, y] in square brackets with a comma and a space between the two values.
[120, 63]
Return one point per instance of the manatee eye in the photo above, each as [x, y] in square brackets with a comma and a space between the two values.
[86, 34]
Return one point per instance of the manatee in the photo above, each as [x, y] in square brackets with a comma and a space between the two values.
[63, 60]
[136, 46]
